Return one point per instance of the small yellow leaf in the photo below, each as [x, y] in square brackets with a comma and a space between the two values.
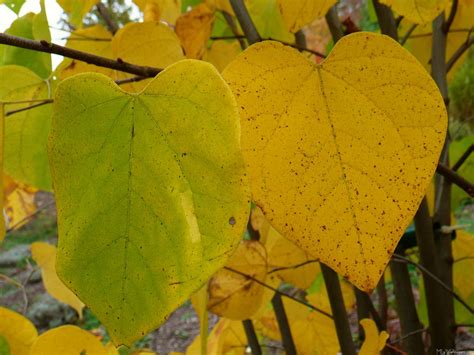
[227, 337]
[221, 53]
[232, 295]
[374, 342]
[68, 340]
[282, 253]
[341, 181]
[417, 11]
[194, 29]
[19, 202]
[45, 256]
[17, 330]
[150, 43]
[156, 10]
[260, 224]
[299, 13]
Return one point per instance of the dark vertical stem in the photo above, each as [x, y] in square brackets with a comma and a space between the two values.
[362, 311]
[440, 327]
[383, 300]
[283, 324]
[252, 337]
[245, 21]
[442, 215]
[334, 24]
[111, 25]
[387, 22]
[406, 309]
[339, 313]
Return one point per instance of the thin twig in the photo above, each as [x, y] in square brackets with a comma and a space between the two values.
[459, 52]
[309, 305]
[455, 178]
[463, 158]
[425, 271]
[407, 34]
[334, 24]
[23, 220]
[44, 46]
[130, 80]
[21, 287]
[452, 14]
[235, 30]
[44, 102]
[429, 34]
[407, 335]
[104, 13]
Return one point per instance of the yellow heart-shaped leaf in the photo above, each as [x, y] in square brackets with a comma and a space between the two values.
[339, 154]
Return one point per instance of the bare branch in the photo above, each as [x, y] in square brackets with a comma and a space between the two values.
[400, 258]
[463, 158]
[245, 21]
[459, 52]
[455, 178]
[407, 34]
[44, 46]
[452, 14]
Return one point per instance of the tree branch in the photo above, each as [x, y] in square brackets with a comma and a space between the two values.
[407, 34]
[334, 24]
[463, 158]
[245, 21]
[459, 52]
[387, 22]
[44, 46]
[452, 14]
[44, 102]
[455, 178]
[104, 13]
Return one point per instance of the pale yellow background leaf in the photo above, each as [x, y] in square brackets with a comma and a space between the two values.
[221, 53]
[417, 11]
[68, 340]
[2, 192]
[282, 253]
[44, 255]
[341, 181]
[18, 331]
[95, 40]
[232, 295]
[227, 337]
[299, 13]
[150, 43]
